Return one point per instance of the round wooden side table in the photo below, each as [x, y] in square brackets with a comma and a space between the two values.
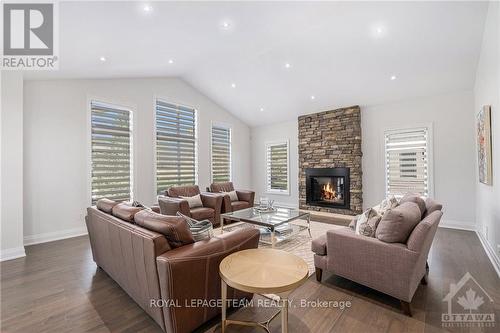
[262, 271]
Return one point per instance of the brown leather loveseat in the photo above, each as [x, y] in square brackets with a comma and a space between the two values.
[150, 267]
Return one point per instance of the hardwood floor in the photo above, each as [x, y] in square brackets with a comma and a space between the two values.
[58, 288]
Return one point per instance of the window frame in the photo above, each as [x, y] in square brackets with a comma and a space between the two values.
[430, 154]
[122, 106]
[176, 102]
[267, 185]
[228, 127]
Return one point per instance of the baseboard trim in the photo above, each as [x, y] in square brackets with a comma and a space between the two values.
[13, 253]
[459, 225]
[53, 236]
[490, 252]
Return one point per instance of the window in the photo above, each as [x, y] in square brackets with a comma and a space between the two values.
[407, 161]
[277, 167]
[221, 153]
[175, 145]
[111, 142]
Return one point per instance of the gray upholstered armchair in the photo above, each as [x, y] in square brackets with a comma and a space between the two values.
[395, 269]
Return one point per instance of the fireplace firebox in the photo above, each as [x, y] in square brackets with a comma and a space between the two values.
[328, 187]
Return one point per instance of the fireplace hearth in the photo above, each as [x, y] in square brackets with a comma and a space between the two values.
[328, 187]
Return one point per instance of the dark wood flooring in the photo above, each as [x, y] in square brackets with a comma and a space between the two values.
[58, 288]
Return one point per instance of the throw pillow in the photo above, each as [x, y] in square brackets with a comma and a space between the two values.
[174, 228]
[232, 195]
[388, 203]
[194, 201]
[363, 219]
[397, 223]
[369, 227]
[411, 197]
[199, 229]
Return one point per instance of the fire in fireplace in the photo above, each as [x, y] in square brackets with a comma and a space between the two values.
[328, 187]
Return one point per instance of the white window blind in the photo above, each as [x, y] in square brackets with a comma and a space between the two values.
[221, 153]
[111, 152]
[277, 167]
[407, 161]
[175, 145]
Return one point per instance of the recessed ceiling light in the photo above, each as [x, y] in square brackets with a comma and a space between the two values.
[170, 61]
[147, 8]
[378, 30]
[313, 97]
[393, 77]
[233, 85]
[287, 65]
[261, 109]
[103, 59]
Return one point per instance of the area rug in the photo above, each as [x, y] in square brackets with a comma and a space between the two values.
[299, 244]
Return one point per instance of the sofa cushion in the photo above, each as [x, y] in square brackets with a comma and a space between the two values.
[106, 205]
[432, 205]
[318, 245]
[194, 201]
[126, 211]
[186, 191]
[222, 187]
[237, 205]
[411, 197]
[201, 213]
[174, 228]
[397, 223]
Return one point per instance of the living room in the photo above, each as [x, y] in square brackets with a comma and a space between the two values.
[271, 153]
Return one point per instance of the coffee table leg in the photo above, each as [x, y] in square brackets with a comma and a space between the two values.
[273, 238]
[309, 224]
[284, 315]
[221, 225]
[223, 286]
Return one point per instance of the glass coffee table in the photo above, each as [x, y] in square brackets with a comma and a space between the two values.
[275, 226]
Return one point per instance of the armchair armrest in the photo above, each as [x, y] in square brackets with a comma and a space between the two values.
[170, 206]
[213, 200]
[388, 267]
[226, 204]
[191, 272]
[247, 196]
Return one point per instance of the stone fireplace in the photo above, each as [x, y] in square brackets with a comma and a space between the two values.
[330, 161]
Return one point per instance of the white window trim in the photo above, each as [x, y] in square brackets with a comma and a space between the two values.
[230, 128]
[266, 185]
[196, 136]
[116, 103]
[430, 153]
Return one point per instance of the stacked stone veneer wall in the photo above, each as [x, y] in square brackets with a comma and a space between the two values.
[332, 139]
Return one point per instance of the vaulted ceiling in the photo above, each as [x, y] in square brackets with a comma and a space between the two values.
[272, 61]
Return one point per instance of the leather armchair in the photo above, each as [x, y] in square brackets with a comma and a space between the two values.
[245, 198]
[171, 203]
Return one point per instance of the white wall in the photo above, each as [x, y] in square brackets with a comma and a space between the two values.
[56, 127]
[11, 166]
[487, 92]
[453, 138]
[453, 150]
[261, 136]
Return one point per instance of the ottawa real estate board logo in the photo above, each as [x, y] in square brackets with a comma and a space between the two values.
[468, 305]
[30, 38]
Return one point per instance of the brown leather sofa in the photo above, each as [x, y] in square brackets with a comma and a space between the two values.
[171, 203]
[149, 269]
[245, 198]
